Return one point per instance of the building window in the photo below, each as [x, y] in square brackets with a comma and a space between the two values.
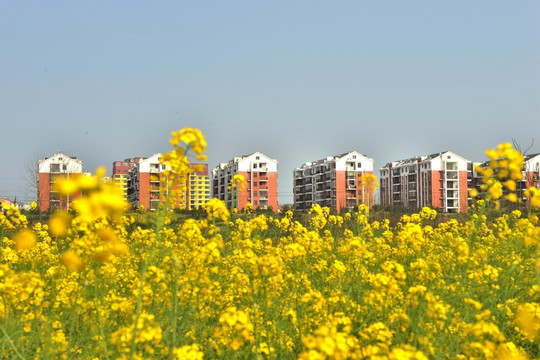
[254, 166]
[255, 202]
[254, 193]
[255, 175]
[256, 158]
[255, 183]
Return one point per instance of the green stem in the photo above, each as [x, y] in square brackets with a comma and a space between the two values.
[175, 301]
[98, 314]
[10, 342]
[144, 268]
[162, 211]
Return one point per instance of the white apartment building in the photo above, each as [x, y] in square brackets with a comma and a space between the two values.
[260, 173]
[333, 182]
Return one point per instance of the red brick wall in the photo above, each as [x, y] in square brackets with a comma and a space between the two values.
[436, 194]
[463, 192]
[244, 193]
[44, 183]
[341, 190]
[272, 190]
[144, 190]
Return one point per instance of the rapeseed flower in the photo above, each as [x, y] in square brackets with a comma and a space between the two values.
[98, 283]
[24, 239]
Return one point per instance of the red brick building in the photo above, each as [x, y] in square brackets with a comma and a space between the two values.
[531, 174]
[49, 170]
[334, 182]
[145, 188]
[438, 180]
[120, 172]
[260, 173]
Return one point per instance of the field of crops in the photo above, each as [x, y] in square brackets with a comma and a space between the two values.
[94, 285]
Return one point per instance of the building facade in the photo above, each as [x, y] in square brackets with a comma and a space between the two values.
[334, 182]
[198, 187]
[531, 175]
[49, 170]
[438, 181]
[145, 186]
[120, 171]
[260, 188]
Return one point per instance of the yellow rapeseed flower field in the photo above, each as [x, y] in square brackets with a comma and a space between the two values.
[94, 285]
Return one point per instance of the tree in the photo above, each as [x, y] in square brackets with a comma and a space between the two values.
[518, 146]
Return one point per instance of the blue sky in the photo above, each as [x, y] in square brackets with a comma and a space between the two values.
[296, 80]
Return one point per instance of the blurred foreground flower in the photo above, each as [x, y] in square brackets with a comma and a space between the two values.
[24, 239]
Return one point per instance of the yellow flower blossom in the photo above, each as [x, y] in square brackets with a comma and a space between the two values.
[24, 239]
[72, 261]
[59, 223]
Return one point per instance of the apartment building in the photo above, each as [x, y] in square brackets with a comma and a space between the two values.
[333, 182]
[49, 170]
[120, 173]
[198, 187]
[438, 180]
[260, 173]
[531, 175]
[144, 185]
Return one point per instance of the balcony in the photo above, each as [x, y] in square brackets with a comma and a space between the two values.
[452, 175]
[451, 165]
[351, 195]
[451, 185]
